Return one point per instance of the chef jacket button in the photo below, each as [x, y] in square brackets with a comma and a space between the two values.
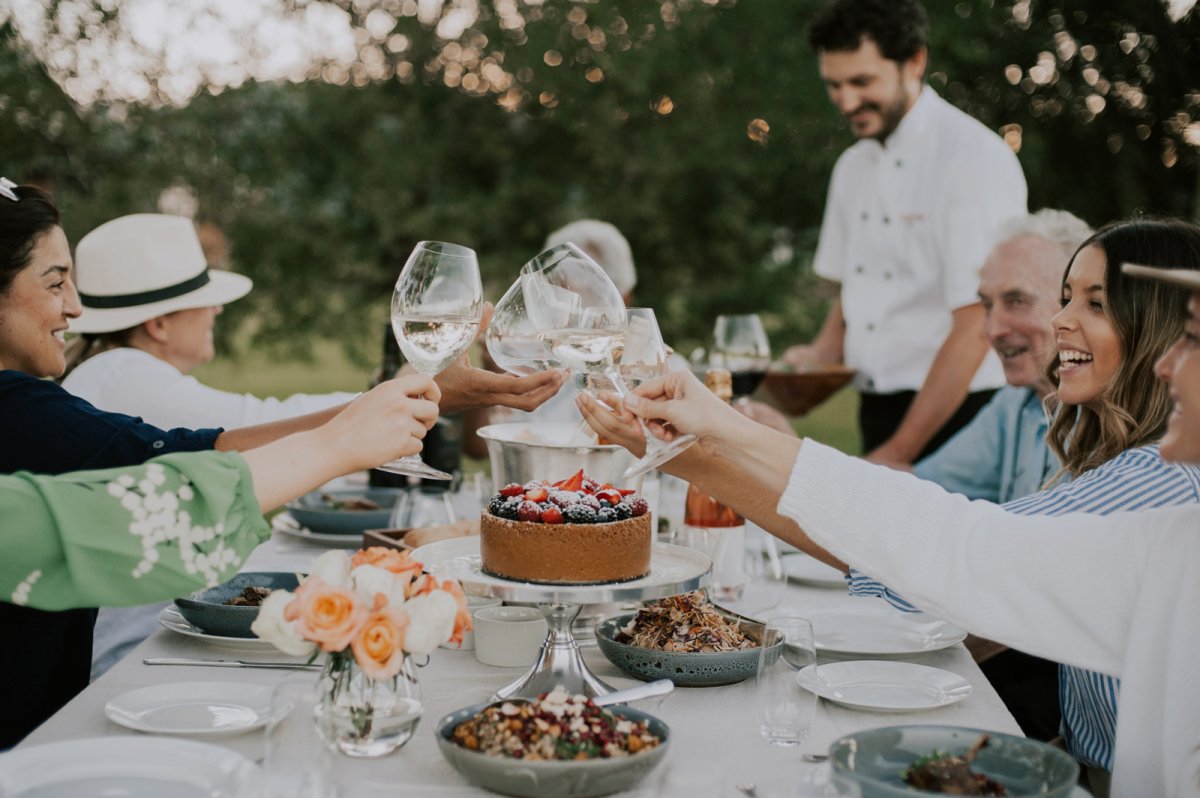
[899, 163]
[157, 445]
[864, 216]
[870, 328]
[859, 269]
[887, 275]
[887, 220]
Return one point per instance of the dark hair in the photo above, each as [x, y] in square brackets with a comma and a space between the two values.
[21, 225]
[899, 27]
[1148, 317]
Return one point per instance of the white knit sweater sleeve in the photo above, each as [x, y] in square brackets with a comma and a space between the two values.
[1062, 588]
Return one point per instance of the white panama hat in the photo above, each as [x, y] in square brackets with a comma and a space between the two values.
[136, 268]
[1186, 278]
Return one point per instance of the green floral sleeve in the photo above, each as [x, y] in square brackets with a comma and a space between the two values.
[126, 536]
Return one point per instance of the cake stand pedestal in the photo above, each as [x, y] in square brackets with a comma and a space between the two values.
[673, 570]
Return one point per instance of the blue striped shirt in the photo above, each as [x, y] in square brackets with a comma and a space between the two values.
[1137, 479]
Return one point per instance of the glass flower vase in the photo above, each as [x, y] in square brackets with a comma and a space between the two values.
[365, 717]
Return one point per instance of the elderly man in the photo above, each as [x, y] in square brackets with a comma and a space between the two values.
[911, 209]
[1002, 454]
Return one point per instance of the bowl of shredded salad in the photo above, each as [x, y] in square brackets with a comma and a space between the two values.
[685, 639]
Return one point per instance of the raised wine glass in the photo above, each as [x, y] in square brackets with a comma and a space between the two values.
[582, 318]
[740, 344]
[436, 308]
[512, 338]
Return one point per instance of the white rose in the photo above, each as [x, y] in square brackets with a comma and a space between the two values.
[334, 567]
[271, 626]
[369, 580]
[430, 621]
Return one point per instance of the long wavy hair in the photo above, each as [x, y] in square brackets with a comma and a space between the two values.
[1147, 316]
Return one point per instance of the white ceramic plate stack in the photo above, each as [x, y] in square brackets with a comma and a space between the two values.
[197, 709]
[130, 767]
[885, 686]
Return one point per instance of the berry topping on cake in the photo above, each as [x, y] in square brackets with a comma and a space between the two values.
[578, 499]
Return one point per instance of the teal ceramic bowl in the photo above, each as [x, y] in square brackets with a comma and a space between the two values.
[207, 610]
[685, 669]
[562, 779]
[318, 511]
[875, 760]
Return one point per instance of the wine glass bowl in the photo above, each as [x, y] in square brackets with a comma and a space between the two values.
[512, 339]
[740, 345]
[436, 308]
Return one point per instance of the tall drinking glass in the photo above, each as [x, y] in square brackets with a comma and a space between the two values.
[581, 317]
[436, 308]
[785, 709]
[740, 344]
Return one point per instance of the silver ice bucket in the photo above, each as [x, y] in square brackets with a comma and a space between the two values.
[526, 451]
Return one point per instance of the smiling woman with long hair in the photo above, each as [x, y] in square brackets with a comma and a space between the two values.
[1129, 408]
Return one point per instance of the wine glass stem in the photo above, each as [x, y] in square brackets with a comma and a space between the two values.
[622, 390]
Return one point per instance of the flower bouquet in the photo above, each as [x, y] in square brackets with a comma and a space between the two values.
[370, 613]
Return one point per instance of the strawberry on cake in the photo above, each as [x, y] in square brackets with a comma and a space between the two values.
[571, 532]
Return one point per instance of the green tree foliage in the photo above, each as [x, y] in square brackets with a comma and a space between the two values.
[699, 128]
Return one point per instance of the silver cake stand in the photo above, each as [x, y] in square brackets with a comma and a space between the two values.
[673, 570]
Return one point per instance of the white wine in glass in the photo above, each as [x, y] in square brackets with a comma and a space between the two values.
[436, 308]
[512, 339]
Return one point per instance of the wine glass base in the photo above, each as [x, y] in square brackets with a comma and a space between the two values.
[413, 467]
[653, 459]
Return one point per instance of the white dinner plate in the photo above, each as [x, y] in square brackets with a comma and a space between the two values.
[129, 767]
[202, 709]
[875, 629]
[285, 524]
[170, 618]
[807, 570]
[884, 685]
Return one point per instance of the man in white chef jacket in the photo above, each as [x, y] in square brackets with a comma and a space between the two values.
[912, 211]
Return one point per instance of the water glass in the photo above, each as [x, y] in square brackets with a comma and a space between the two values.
[421, 507]
[785, 709]
[297, 762]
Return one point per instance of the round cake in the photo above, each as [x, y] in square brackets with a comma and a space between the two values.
[571, 532]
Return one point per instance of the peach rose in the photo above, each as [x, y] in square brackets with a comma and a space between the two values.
[422, 585]
[392, 560]
[462, 618]
[327, 615]
[378, 644]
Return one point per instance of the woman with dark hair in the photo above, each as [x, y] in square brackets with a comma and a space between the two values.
[1109, 414]
[49, 431]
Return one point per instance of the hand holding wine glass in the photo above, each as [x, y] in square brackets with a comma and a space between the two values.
[436, 308]
[582, 318]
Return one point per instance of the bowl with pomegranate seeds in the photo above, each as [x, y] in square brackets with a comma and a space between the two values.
[558, 744]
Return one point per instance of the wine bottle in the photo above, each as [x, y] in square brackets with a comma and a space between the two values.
[713, 528]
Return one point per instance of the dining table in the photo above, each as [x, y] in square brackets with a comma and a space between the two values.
[714, 737]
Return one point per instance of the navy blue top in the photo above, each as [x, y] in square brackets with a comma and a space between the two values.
[46, 430]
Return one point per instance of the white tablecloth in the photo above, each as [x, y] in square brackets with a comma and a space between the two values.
[714, 733]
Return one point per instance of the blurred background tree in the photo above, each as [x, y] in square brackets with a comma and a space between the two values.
[698, 127]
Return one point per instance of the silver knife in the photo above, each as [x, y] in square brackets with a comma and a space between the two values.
[232, 663]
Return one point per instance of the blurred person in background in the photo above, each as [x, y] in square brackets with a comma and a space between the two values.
[911, 210]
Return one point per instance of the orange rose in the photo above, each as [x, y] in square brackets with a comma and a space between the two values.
[379, 642]
[327, 615]
[389, 559]
[462, 618]
[423, 584]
